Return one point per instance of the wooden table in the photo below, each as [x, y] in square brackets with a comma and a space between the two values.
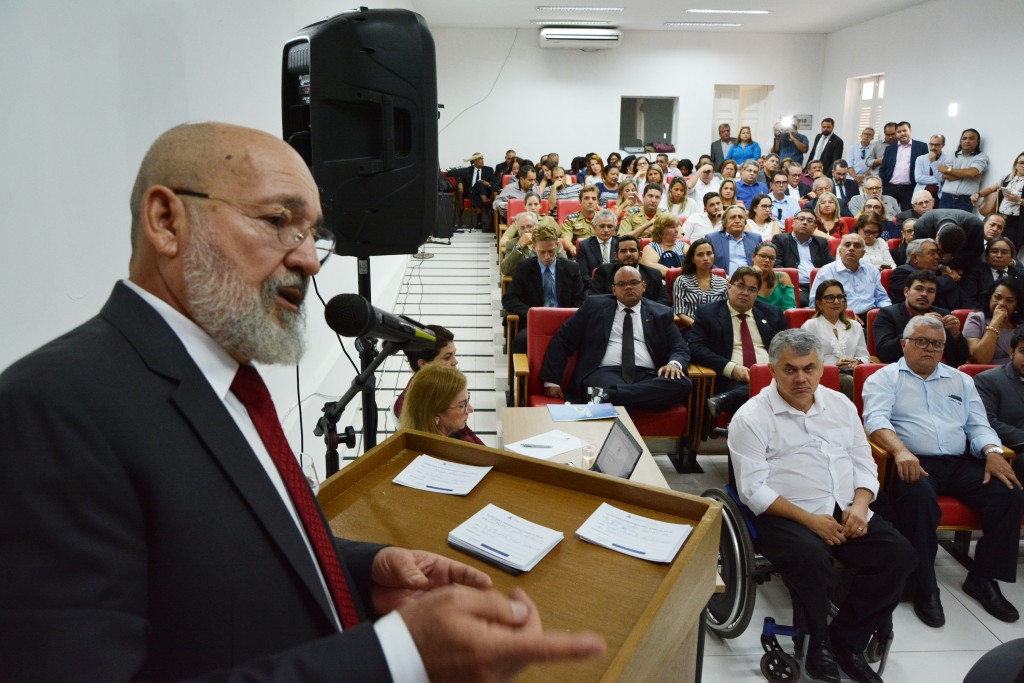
[521, 423]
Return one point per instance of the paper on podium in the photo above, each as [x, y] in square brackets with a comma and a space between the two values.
[575, 412]
[634, 535]
[505, 540]
[546, 445]
[441, 476]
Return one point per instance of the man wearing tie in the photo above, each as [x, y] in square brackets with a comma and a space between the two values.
[845, 187]
[593, 252]
[544, 281]
[724, 340]
[628, 346]
[827, 147]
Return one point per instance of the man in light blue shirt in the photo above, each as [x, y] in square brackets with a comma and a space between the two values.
[923, 412]
[789, 143]
[859, 154]
[926, 167]
[862, 282]
[784, 205]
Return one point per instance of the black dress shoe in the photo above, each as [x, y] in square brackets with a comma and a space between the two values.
[929, 610]
[820, 663]
[856, 666]
[986, 591]
[715, 408]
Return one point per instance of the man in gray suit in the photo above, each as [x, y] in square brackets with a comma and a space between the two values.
[1002, 392]
[720, 147]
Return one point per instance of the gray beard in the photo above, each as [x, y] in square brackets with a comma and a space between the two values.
[246, 323]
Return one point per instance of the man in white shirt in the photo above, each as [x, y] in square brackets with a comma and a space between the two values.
[702, 181]
[700, 224]
[804, 468]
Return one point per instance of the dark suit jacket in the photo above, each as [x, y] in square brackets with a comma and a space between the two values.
[803, 188]
[527, 289]
[888, 331]
[1003, 395]
[588, 256]
[141, 537]
[711, 336]
[832, 152]
[850, 187]
[949, 294]
[720, 243]
[917, 148]
[465, 175]
[655, 291]
[899, 253]
[717, 155]
[587, 333]
[969, 257]
[789, 251]
[975, 283]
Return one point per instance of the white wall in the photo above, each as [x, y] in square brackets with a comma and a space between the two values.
[933, 54]
[568, 101]
[88, 86]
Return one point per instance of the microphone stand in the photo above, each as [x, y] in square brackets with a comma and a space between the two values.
[365, 382]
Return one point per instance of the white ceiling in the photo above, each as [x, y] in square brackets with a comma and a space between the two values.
[788, 16]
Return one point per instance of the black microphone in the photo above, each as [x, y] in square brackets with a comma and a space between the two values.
[350, 315]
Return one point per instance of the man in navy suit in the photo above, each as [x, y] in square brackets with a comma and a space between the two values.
[593, 252]
[638, 365]
[627, 253]
[843, 186]
[723, 339]
[897, 171]
[1002, 392]
[733, 245]
[161, 529]
[803, 250]
[543, 280]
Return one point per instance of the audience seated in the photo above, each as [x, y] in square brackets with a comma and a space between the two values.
[803, 250]
[638, 222]
[923, 413]
[701, 182]
[784, 204]
[696, 285]
[760, 217]
[580, 224]
[666, 249]
[776, 287]
[592, 252]
[628, 200]
[437, 402]
[542, 280]
[862, 283]
[989, 330]
[443, 353]
[561, 187]
[921, 203]
[677, 201]
[638, 361]
[733, 245]
[923, 254]
[899, 252]
[872, 189]
[1002, 392]
[918, 297]
[748, 186]
[795, 185]
[521, 234]
[870, 227]
[723, 340]
[526, 179]
[842, 339]
[627, 253]
[703, 224]
[804, 468]
[999, 262]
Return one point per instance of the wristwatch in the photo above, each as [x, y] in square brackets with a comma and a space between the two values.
[991, 449]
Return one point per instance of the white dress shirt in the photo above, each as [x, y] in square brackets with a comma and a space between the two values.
[219, 369]
[815, 460]
[613, 354]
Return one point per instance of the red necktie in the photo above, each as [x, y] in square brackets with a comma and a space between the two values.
[248, 386]
[749, 355]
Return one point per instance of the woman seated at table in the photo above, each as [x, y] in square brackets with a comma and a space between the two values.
[608, 186]
[697, 285]
[727, 192]
[628, 198]
[875, 205]
[876, 251]
[664, 251]
[728, 169]
[776, 288]
[826, 208]
[442, 353]
[842, 338]
[759, 217]
[437, 402]
[677, 200]
[988, 331]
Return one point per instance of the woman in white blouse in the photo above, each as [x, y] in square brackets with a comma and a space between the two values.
[870, 226]
[842, 338]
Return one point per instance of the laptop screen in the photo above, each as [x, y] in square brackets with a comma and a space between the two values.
[619, 453]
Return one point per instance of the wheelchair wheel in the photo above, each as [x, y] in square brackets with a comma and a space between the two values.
[729, 613]
[779, 667]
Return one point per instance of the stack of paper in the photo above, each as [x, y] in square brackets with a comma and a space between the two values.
[441, 476]
[633, 535]
[504, 540]
[546, 445]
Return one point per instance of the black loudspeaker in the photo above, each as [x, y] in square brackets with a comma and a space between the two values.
[359, 103]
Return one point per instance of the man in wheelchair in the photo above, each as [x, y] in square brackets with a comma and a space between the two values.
[804, 468]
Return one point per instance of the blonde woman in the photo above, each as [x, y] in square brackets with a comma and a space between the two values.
[437, 402]
[664, 251]
[826, 208]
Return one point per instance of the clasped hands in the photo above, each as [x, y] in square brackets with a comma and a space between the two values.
[463, 628]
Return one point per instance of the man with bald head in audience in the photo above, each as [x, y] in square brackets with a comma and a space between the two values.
[162, 528]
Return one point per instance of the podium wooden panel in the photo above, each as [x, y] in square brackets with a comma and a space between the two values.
[647, 612]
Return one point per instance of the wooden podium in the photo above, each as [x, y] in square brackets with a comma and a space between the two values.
[647, 612]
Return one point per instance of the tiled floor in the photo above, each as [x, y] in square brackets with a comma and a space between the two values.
[458, 289]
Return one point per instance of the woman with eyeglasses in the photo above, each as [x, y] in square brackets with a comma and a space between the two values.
[437, 402]
[876, 206]
[989, 330]
[776, 288]
[697, 285]
[876, 251]
[1008, 202]
[842, 338]
[664, 250]
[759, 217]
[640, 167]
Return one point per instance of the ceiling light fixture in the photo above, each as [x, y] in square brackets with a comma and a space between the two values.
[556, 8]
[570, 22]
[701, 24]
[728, 11]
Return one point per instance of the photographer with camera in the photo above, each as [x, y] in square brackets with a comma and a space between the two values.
[788, 142]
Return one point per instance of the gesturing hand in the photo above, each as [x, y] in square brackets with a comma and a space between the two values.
[400, 575]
